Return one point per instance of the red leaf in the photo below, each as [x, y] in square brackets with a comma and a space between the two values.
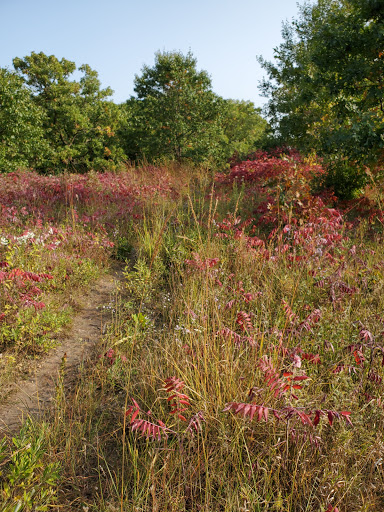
[136, 424]
[134, 415]
[305, 419]
[330, 417]
[246, 409]
[346, 415]
[276, 415]
[312, 358]
[272, 383]
[239, 408]
[317, 418]
[301, 377]
[358, 357]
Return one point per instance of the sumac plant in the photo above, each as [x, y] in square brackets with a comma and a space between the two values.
[281, 388]
[143, 423]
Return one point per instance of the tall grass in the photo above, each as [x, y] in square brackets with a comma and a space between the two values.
[243, 369]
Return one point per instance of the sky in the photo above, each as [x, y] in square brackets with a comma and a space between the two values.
[117, 37]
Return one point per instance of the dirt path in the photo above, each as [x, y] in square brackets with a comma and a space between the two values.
[33, 395]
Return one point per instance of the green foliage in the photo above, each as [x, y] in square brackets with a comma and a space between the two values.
[175, 114]
[27, 482]
[21, 134]
[79, 123]
[342, 176]
[325, 88]
[244, 128]
[52, 122]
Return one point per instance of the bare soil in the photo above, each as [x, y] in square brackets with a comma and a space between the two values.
[31, 397]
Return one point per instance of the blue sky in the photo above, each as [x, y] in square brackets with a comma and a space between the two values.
[117, 37]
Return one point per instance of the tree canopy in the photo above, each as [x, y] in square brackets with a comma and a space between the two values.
[243, 127]
[79, 122]
[175, 112]
[22, 141]
[53, 122]
[325, 87]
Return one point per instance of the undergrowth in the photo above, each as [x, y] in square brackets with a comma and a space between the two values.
[243, 368]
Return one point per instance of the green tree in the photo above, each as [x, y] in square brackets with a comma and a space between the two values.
[175, 114]
[326, 86]
[243, 127]
[79, 122]
[22, 141]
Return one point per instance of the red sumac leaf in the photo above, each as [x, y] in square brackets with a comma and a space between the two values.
[252, 411]
[136, 424]
[359, 358]
[276, 415]
[317, 418]
[134, 415]
[246, 409]
[129, 410]
[312, 358]
[230, 304]
[346, 415]
[273, 383]
[305, 419]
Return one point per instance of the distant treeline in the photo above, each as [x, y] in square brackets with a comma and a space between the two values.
[324, 90]
[51, 122]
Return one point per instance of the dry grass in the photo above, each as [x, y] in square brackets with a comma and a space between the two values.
[235, 364]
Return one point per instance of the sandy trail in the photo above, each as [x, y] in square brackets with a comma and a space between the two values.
[34, 395]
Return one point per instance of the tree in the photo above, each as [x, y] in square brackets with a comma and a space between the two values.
[175, 113]
[79, 123]
[22, 141]
[325, 87]
[243, 127]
